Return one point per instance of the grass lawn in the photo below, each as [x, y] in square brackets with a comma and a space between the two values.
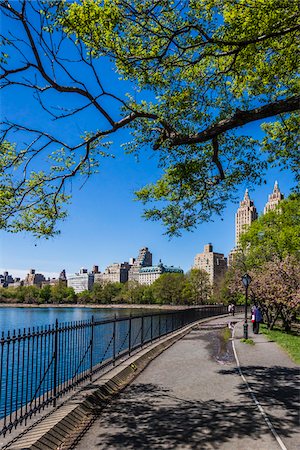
[290, 342]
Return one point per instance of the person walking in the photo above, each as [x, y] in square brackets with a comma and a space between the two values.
[233, 309]
[258, 319]
[253, 309]
[229, 308]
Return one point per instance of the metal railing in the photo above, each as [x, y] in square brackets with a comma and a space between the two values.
[40, 365]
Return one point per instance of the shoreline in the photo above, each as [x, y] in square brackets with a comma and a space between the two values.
[97, 306]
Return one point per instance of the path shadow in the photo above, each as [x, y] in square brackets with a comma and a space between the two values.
[146, 416]
[275, 386]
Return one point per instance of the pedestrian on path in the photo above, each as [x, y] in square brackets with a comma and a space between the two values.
[256, 314]
[233, 309]
[253, 317]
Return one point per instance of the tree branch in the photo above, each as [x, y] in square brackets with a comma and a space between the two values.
[215, 158]
[40, 67]
[240, 118]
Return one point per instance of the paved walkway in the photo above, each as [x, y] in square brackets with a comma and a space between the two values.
[194, 397]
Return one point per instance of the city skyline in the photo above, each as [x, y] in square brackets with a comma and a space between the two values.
[178, 251]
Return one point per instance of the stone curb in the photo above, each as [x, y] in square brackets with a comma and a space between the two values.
[60, 428]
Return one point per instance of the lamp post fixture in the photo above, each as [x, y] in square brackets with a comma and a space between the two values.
[246, 279]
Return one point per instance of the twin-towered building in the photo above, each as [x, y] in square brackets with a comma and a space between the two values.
[247, 214]
[215, 264]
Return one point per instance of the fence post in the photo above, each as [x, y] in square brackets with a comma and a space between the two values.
[142, 330]
[151, 328]
[159, 326]
[129, 335]
[92, 347]
[55, 357]
[114, 339]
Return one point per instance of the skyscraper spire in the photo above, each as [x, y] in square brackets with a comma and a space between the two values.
[273, 198]
[245, 215]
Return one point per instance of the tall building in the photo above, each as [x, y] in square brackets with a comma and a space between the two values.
[147, 275]
[115, 273]
[82, 281]
[274, 198]
[34, 279]
[215, 264]
[6, 279]
[245, 215]
[144, 259]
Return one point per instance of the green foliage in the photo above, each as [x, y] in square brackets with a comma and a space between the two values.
[176, 38]
[201, 68]
[110, 292]
[28, 202]
[274, 235]
[32, 294]
[62, 294]
[248, 341]
[281, 143]
[226, 334]
[198, 287]
[231, 287]
[204, 61]
[45, 294]
[135, 293]
[168, 289]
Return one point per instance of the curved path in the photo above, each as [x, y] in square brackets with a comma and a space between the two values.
[193, 397]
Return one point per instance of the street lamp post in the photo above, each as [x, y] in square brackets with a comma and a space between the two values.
[246, 279]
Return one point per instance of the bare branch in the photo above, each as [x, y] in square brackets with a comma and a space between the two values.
[215, 158]
[39, 65]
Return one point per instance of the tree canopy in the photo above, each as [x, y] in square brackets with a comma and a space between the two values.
[204, 70]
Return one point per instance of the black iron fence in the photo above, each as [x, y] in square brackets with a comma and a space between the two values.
[40, 365]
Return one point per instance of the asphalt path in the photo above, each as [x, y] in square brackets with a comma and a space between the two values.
[196, 396]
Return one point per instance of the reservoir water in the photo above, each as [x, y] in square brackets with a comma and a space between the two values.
[41, 360]
[19, 317]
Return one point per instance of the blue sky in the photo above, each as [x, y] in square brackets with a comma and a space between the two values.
[105, 226]
[104, 223]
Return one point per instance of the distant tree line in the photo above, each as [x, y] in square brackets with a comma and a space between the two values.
[192, 288]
